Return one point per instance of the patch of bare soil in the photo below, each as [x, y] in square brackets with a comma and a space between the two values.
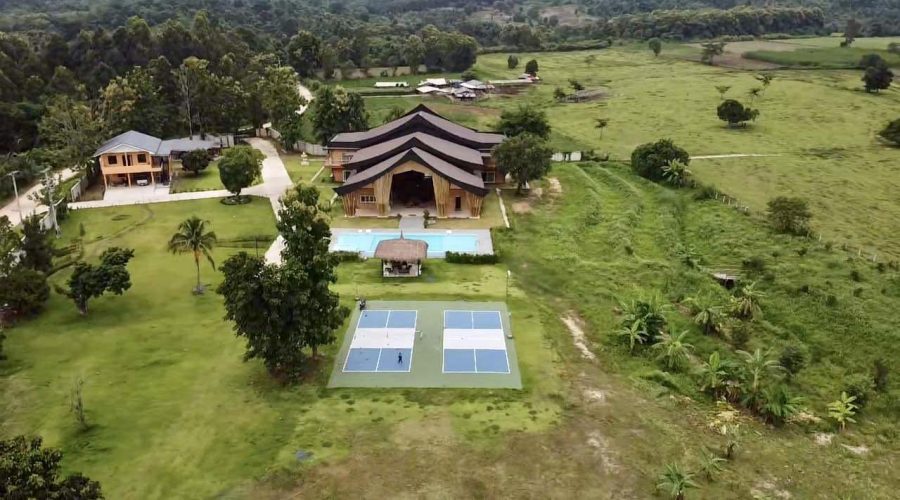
[555, 187]
[823, 438]
[575, 326]
[525, 205]
[856, 450]
[607, 457]
[521, 207]
[434, 430]
[768, 489]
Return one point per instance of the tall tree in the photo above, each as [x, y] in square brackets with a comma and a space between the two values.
[711, 50]
[278, 93]
[512, 61]
[305, 52]
[194, 238]
[28, 470]
[851, 31]
[334, 110]
[531, 67]
[133, 102]
[648, 160]
[72, 129]
[525, 157]
[190, 77]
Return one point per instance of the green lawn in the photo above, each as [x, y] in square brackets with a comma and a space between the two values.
[177, 414]
[206, 180]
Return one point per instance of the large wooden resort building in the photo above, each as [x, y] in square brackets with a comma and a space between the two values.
[419, 161]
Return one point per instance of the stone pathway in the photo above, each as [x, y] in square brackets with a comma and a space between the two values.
[29, 207]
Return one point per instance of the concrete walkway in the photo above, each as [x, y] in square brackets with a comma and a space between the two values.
[29, 207]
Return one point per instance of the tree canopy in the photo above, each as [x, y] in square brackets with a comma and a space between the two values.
[735, 113]
[789, 214]
[335, 110]
[196, 161]
[525, 119]
[89, 281]
[648, 160]
[525, 157]
[239, 167]
[891, 132]
[28, 470]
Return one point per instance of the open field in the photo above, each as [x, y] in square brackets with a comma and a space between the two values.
[820, 123]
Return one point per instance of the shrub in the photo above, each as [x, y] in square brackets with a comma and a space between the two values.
[347, 256]
[789, 215]
[196, 161]
[705, 192]
[648, 160]
[860, 386]
[735, 113]
[891, 132]
[880, 377]
[792, 359]
[468, 258]
[755, 264]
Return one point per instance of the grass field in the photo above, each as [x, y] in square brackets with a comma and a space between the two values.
[821, 125]
[822, 57]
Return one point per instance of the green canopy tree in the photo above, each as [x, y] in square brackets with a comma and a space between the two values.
[72, 129]
[531, 67]
[28, 470]
[789, 215]
[648, 160]
[877, 78]
[711, 50]
[282, 310]
[512, 61]
[334, 110]
[194, 238]
[735, 114]
[304, 52]
[525, 157]
[238, 168]
[196, 161]
[524, 119]
[278, 93]
[89, 281]
[414, 53]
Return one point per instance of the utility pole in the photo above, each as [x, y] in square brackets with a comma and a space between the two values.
[12, 175]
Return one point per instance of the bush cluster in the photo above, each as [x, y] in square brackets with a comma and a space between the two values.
[468, 258]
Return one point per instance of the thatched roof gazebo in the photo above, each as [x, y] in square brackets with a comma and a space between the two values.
[401, 257]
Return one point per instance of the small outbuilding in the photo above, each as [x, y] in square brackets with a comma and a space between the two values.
[401, 257]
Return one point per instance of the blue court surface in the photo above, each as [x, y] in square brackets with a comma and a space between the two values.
[474, 342]
[382, 342]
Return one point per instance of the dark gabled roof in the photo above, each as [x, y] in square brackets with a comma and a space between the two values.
[419, 119]
[452, 173]
[456, 154]
[137, 140]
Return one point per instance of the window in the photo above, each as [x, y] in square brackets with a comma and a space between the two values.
[367, 199]
[142, 158]
[345, 157]
[112, 159]
[489, 176]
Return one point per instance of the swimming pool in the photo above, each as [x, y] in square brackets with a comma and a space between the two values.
[438, 243]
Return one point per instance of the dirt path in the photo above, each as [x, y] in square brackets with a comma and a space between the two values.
[573, 323]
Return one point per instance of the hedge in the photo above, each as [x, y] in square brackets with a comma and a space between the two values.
[468, 258]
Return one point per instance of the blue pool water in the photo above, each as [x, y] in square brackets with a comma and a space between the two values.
[437, 243]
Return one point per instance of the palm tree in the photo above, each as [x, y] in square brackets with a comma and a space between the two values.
[710, 464]
[676, 481]
[708, 317]
[746, 305]
[754, 94]
[192, 237]
[843, 409]
[673, 350]
[713, 375]
[676, 173]
[722, 90]
[634, 335]
[600, 124]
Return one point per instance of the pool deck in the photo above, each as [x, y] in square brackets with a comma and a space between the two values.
[484, 244]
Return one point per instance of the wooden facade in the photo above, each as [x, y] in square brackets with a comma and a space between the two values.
[457, 160]
[125, 166]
